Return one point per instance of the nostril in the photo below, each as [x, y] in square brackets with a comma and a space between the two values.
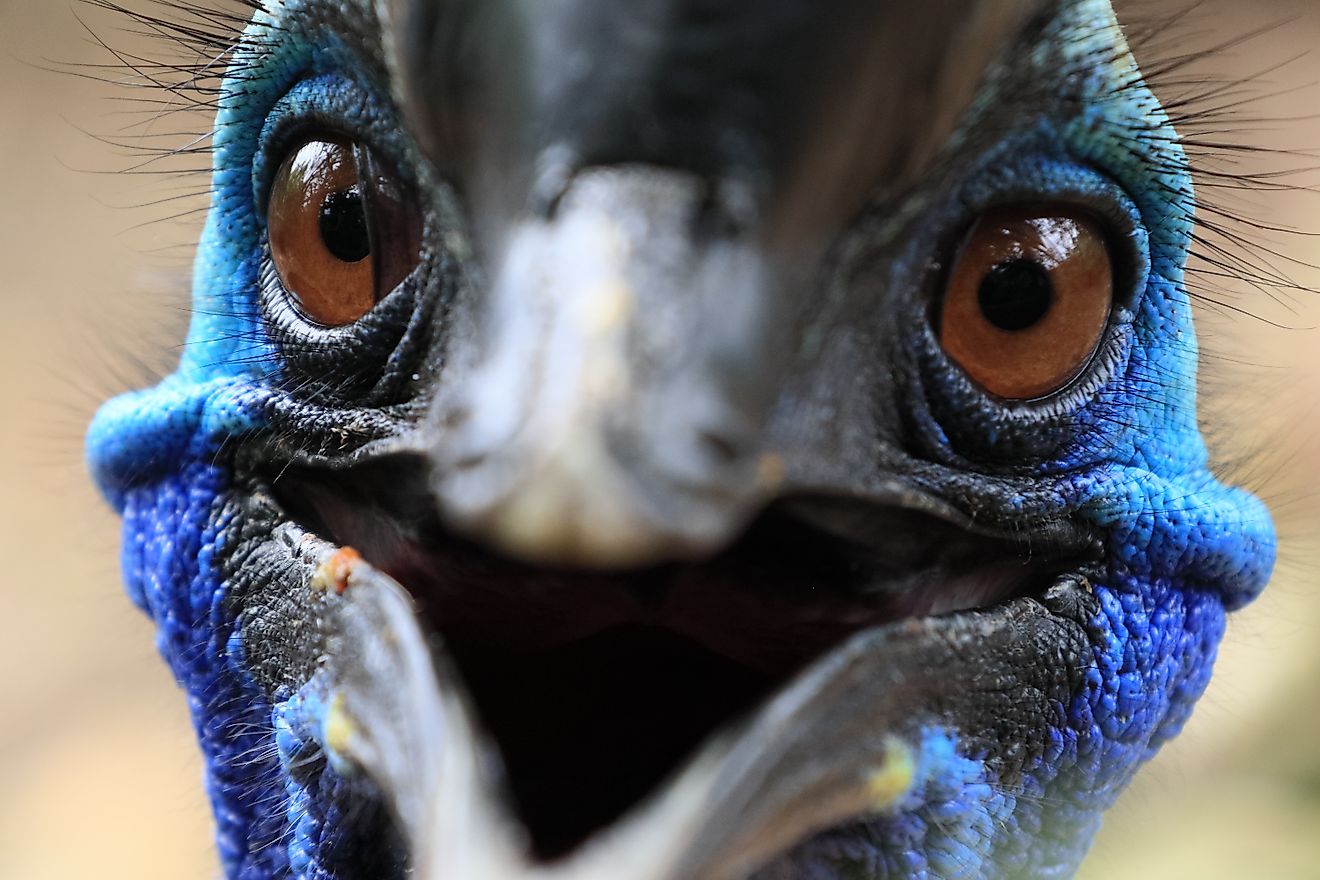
[462, 451]
[719, 448]
[725, 211]
[455, 417]
[467, 461]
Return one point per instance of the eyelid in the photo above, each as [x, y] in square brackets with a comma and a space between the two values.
[326, 103]
[1026, 170]
[1020, 173]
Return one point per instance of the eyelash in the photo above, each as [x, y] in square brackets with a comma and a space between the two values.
[1198, 104]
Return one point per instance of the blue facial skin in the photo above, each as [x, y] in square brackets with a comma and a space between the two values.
[1121, 450]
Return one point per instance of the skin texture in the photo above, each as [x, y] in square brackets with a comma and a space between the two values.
[982, 743]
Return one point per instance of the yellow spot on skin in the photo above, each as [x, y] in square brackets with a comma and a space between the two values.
[339, 729]
[887, 785]
[610, 306]
[770, 471]
[333, 573]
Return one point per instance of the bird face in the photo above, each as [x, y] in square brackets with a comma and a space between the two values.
[682, 439]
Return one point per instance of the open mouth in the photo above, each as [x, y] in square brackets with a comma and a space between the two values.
[596, 688]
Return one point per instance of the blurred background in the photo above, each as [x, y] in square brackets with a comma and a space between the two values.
[98, 774]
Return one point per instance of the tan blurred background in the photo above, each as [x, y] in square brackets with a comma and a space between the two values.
[98, 775]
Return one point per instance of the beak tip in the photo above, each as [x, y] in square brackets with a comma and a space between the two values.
[552, 514]
[561, 526]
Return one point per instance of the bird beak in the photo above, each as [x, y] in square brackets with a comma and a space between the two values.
[646, 272]
[627, 364]
[843, 740]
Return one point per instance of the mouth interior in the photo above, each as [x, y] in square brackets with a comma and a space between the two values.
[586, 729]
[595, 687]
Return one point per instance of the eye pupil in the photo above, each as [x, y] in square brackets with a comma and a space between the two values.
[1015, 295]
[343, 223]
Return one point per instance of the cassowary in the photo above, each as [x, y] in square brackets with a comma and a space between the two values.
[681, 439]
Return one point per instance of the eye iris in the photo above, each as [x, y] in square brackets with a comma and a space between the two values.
[332, 206]
[1027, 300]
[343, 223]
[1015, 295]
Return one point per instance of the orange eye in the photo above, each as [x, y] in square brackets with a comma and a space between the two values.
[342, 235]
[1028, 300]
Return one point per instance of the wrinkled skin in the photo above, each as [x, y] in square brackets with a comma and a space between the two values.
[940, 738]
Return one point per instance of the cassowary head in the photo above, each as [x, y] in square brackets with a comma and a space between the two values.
[681, 439]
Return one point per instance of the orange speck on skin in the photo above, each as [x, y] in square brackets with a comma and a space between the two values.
[332, 574]
[770, 470]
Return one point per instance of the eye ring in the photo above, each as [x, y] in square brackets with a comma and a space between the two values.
[343, 231]
[1028, 299]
